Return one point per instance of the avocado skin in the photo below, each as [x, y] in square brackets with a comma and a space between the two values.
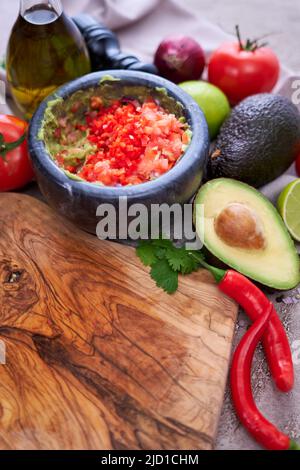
[258, 142]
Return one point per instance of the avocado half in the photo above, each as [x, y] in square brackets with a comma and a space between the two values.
[243, 229]
[258, 141]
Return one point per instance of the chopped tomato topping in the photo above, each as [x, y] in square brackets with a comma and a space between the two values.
[133, 142]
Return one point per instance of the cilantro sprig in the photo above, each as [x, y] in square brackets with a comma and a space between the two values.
[167, 261]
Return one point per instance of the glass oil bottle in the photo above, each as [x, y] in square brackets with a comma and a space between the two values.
[45, 50]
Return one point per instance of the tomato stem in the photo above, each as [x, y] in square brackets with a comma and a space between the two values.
[6, 147]
[249, 45]
[238, 35]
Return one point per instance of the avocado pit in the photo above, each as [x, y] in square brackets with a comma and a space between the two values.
[239, 226]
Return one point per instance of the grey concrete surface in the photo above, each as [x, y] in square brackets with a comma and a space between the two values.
[281, 20]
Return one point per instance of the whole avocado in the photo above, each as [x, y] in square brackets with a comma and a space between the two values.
[258, 142]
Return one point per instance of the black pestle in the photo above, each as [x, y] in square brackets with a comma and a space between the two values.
[104, 47]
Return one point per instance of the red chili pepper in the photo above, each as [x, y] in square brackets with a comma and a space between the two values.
[275, 340]
[257, 425]
[254, 302]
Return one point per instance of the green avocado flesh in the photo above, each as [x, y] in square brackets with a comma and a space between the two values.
[109, 89]
[260, 246]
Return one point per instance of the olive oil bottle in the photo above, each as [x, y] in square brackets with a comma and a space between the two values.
[45, 50]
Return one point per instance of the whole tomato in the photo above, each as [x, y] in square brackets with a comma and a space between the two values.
[15, 166]
[298, 165]
[242, 69]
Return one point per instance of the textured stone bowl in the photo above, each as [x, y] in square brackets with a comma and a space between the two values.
[78, 201]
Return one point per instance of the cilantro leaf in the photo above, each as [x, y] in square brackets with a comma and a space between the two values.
[175, 258]
[146, 253]
[164, 276]
[163, 243]
[167, 261]
[181, 260]
[160, 252]
[189, 266]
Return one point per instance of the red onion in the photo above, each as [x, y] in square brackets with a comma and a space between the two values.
[180, 58]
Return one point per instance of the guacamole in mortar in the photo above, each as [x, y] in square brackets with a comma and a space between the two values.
[115, 134]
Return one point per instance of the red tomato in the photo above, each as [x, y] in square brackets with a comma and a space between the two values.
[15, 167]
[298, 165]
[242, 69]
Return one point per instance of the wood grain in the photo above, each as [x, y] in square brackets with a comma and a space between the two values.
[97, 356]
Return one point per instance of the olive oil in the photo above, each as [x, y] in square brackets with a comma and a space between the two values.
[45, 50]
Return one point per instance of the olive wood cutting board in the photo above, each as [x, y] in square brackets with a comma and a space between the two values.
[98, 357]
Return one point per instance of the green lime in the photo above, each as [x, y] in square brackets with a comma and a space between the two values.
[211, 100]
[289, 207]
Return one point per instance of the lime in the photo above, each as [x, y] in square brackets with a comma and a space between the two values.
[289, 208]
[211, 100]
